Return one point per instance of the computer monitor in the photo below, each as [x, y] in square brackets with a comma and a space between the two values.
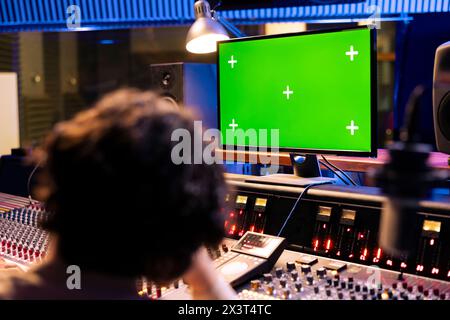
[318, 88]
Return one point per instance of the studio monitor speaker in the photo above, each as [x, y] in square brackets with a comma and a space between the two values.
[188, 84]
[441, 97]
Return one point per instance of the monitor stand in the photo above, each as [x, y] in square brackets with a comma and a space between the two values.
[306, 172]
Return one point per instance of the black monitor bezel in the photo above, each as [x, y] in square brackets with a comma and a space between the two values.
[373, 93]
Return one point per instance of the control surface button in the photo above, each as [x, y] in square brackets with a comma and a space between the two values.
[306, 268]
[309, 260]
[290, 266]
[321, 272]
[336, 266]
[268, 277]
[279, 272]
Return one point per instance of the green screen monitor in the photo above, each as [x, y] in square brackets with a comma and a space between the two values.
[317, 88]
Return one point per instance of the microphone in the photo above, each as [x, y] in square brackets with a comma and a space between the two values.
[404, 180]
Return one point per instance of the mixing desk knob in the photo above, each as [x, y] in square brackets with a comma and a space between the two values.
[316, 289]
[290, 266]
[255, 285]
[420, 288]
[343, 284]
[340, 295]
[419, 297]
[442, 296]
[410, 289]
[350, 285]
[283, 282]
[279, 272]
[294, 275]
[328, 292]
[329, 281]
[404, 285]
[286, 294]
[436, 292]
[321, 272]
[306, 268]
[298, 286]
[335, 282]
[310, 279]
[224, 248]
[270, 289]
[268, 277]
[158, 292]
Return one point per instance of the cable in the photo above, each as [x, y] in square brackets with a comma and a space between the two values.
[346, 175]
[295, 205]
[334, 171]
[29, 180]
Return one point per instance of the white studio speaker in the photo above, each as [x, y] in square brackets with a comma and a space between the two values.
[9, 112]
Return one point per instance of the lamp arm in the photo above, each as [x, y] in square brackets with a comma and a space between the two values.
[229, 26]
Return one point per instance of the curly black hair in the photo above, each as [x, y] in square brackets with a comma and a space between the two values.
[119, 204]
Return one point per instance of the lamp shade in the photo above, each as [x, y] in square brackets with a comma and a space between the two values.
[205, 31]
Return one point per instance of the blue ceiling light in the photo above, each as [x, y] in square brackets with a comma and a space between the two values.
[106, 42]
[42, 15]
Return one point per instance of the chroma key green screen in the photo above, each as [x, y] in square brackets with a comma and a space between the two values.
[318, 89]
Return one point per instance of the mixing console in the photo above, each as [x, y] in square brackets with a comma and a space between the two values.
[299, 276]
[341, 223]
[21, 239]
[307, 277]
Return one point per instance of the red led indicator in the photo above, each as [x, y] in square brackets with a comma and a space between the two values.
[431, 242]
[328, 246]
[240, 212]
[448, 274]
[403, 265]
[379, 253]
[231, 214]
[338, 253]
[364, 255]
[316, 244]
[435, 271]
[348, 229]
[324, 226]
[389, 262]
[252, 228]
[419, 268]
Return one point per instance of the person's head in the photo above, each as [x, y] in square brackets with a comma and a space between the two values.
[118, 203]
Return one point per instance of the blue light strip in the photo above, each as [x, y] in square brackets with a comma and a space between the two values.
[16, 15]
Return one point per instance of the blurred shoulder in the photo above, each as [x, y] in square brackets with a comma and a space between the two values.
[14, 283]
